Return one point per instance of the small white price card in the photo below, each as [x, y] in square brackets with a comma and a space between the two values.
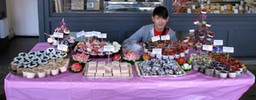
[96, 33]
[62, 47]
[157, 51]
[80, 34]
[58, 35]
[87, 34]
[155, 38]
[207, 47]
[228, 49]
[103, 35]
[108, 48]
[217, 42]
[165, 37]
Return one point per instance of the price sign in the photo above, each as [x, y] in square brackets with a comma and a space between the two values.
[80, 34]
[58, 35]
[207, 47]
[62, 47]
[157, 51]
[103, 35]
[165, 37]
[96, 33]
[217, 42]
[216, 11]
[191, 31]
[155, 38]
[108, 48]
[88, 34]
[228, 49]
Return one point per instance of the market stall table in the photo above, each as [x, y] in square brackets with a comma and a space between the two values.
[74, 86]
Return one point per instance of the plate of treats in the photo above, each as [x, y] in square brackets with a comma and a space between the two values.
[102, 69]
[158, 68]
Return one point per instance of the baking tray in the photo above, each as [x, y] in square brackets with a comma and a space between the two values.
[140, 74]
[130, 73]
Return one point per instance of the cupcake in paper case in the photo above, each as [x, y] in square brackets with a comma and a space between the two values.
[20, 68]
[223, 74]
[19, 58]
[43, 62]
[33, 53]
[203, 11]
[62, 54]
[22, 54]
[31, 74]
[41, 52]
[25, 71]
[47, 69]
[45, 58]
[14, 65]
[232, 74]
[55, 70]
[50, 50]
[32, 65]
[196, 22]
[41, 73]
[30, 57]
[186, 39]
[64, 65]
[210, 34]
[201, 35]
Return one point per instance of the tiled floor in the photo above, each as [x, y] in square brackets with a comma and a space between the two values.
[24, 44]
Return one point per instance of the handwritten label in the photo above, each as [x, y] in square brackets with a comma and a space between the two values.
[108, 48]
[157, 51]
[58, 35]
[62, 47]
[228, 49]
[207, 47]
[165, 37]
[217, 42]
[96, 33]
[155, 38]
[103, 35]
[188, 10]
[191, 31]
[87, 34]
[80, 34]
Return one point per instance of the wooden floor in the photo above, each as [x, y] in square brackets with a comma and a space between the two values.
[25, 44]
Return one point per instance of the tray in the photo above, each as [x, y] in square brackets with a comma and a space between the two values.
[140, 73]
[130, 73]
[14, 72]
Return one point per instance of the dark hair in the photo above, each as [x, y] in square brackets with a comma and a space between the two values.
[160, 11]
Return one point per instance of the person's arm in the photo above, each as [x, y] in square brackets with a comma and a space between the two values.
[136, 37]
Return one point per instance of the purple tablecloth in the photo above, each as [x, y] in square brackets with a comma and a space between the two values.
[74, 86]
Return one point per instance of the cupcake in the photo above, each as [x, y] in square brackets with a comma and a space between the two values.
[203, 11]
[43, 62]
[55, 70]
[14, 65]
[22, 54]
[47, 70]
[32, 53]
[223, 74]
[196, 22]
[50, 40]
[41, 73]
[63, 68]
[32, 65]
[31, 74]
[25, 71]
[186, 39]
[232, 74]
[20, 68]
